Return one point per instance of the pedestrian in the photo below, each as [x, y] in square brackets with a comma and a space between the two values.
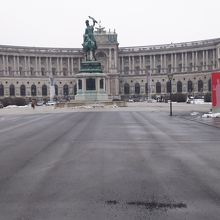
[33, 104]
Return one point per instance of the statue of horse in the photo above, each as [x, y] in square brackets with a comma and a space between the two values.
[89, 47]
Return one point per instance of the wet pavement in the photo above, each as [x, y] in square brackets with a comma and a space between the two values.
[110, 164]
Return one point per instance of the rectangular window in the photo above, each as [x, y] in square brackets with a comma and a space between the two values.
[32, 71]
[53, 71]
[43, 71]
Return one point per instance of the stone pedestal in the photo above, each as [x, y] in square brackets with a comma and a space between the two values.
[91, 87]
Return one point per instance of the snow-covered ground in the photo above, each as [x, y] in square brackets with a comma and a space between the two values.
[211, 115]
[206, 115]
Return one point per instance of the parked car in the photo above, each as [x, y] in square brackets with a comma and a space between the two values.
[49, 103]
[190, 100]
[40, 103]
[195, 100]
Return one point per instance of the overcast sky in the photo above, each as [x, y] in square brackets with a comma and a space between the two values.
[61, 23]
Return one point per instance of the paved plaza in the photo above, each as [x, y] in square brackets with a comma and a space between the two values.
[109, 163]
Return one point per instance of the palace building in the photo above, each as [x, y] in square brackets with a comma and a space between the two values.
[141, 70]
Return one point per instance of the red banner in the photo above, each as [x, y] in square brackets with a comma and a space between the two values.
[216, 92]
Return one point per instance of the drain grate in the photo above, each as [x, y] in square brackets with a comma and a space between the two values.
[111, 202]
[158, 205]
[150, 205]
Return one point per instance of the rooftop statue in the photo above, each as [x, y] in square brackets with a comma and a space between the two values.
[89, 42]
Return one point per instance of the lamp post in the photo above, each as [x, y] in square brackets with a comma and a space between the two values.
[170, 77]
[148, 84]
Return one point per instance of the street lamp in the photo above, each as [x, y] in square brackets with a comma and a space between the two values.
[170, 77]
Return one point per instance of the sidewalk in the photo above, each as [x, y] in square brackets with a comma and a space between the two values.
[178, 108]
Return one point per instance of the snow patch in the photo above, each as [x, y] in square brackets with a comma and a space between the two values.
[211, 115]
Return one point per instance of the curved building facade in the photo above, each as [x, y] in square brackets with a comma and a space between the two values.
[27, 71]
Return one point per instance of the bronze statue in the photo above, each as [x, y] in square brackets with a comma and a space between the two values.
[89, 42]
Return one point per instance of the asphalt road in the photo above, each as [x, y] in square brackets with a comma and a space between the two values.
[108, 165]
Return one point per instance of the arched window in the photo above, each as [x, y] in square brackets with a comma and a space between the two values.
[158, 87]
[179, 87]
[56, 89]
[1, 90]
[33, 90]
[44, 90]
[12, 90]
[65, 90]
[137, 88]
[200, 86]
[168, 87]
[22, 90]
[210, 85]
[126, 88]
[189, 86]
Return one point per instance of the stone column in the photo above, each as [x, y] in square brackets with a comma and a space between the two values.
[193, 61]
[144, 64]
[161, 63]
[47, 66]
[104, 82]
[165, 63]
[25, 65]
[58, 66]
[110, 58]
[140, 64]
[172, 63]
[61, 66]
[132, 64]
[115, 58]
[175, 62]
[203, 60]
[213, 59]
[154, 63]
[50, 66]
[3, 64]
[6, 59]
[186, 63]
[207, 59]
[182, 57]
[79, 62]
[110, 86]
[116, 82]
[14, 65]
[129, 65]
[39, 65]
[29, 64]
[196, 60]
[36, 69]
[68, 66]
[72, 70]
[151, 64]
[18, 64]
[122, 65]
[83, 85]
